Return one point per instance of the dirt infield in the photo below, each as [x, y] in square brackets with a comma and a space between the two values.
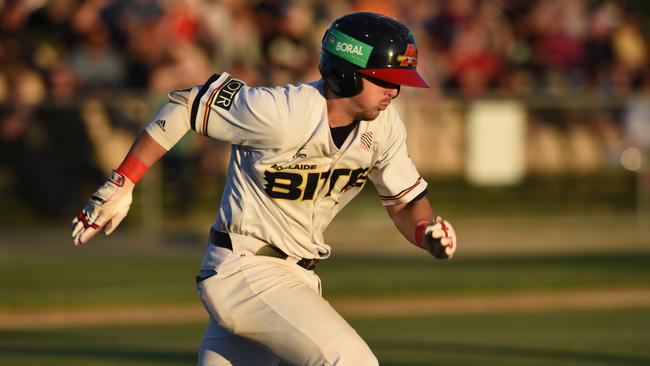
[604, 299]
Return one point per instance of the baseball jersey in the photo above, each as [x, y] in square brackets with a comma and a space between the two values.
[287, 179]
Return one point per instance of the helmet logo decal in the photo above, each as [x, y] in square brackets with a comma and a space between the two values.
[410, 57]
[347, 48]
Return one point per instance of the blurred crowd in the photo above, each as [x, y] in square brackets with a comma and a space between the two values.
[79, 77]
[50, 49]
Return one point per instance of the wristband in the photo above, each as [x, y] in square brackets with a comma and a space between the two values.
[419, 234]
[132, 168]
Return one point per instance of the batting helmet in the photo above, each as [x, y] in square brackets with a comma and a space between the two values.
[368, 45]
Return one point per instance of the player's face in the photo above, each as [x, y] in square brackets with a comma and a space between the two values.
[374, 98]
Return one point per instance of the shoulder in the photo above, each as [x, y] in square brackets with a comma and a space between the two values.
[224, 90]
[292, 111]
[290, 93]
[271, 117]
[299, 96]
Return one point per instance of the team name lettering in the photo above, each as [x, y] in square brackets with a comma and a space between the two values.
[303, 187]
[227, 94]
[346, 47]
[294, 167]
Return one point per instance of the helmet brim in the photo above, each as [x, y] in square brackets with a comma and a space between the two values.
[406, 77]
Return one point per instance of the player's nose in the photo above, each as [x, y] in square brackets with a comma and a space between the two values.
[392, 92]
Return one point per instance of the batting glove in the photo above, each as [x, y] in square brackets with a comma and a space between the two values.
[438, 237]
[106, 209]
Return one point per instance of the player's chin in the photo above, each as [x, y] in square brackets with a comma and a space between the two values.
[369, 115]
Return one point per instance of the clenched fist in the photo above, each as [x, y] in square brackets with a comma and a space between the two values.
[438, 237]
[106, 209]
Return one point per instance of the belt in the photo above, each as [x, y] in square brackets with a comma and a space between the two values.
[222, 240]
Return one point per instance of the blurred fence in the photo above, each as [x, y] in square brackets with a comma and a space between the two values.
[563, 134]
[54, 155]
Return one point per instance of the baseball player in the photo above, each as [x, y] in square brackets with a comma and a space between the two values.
[299, 154]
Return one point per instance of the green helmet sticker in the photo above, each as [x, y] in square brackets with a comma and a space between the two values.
[348, 48]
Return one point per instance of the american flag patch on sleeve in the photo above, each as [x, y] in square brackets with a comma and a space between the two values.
[366, 140]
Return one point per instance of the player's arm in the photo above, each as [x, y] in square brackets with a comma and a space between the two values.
[417, 223]
[109, 205]
[147, 150]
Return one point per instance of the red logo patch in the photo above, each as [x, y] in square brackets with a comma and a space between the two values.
[410, 57]
[117, 179]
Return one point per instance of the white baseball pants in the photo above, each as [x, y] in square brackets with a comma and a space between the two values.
[263, 310]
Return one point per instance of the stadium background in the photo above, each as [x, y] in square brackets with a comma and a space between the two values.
[553, 267]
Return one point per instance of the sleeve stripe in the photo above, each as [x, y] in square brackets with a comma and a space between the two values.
[197, 100]
[206, 113]
[402, 193]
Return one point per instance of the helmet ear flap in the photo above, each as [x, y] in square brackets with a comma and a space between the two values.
[340, 76]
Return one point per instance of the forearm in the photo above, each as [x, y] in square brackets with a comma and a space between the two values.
[146, 149]
[407, 217]
[417, 223]
[160, 134]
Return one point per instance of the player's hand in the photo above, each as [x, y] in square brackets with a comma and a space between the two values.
[440, 238]
[106, 209]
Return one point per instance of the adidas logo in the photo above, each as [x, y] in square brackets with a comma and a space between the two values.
[161, 124]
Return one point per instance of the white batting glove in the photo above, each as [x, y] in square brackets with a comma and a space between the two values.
[440, 238]
[106, 209]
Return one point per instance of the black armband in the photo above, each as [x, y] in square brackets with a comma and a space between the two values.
[418, 197]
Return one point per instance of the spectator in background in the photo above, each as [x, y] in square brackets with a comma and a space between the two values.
[51, 27]
[601, 22]
[474, 65]
[43, 146]
[139, 28]
[559, 49]
[230, 35]
[53, 52]
[480, 45]
[96, 62]
[631, 50]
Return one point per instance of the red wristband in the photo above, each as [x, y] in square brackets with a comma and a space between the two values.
[419, 234]
[132, 168]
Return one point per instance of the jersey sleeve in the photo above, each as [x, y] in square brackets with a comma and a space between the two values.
[394, 175]
[227, 109]
[171, 122]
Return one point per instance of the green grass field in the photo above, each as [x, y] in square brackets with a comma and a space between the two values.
[167, 276]
[584, 338]
[42, 272]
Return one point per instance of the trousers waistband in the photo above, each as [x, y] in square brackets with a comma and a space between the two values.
[222, 240]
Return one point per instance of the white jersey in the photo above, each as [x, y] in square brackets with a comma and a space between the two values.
[286, 177]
